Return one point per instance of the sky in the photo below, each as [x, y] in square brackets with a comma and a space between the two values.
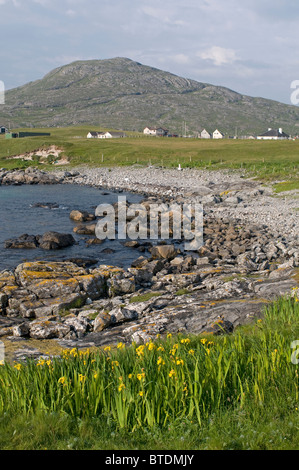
[249, 46]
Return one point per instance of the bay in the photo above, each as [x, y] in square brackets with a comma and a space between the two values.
[18, 216]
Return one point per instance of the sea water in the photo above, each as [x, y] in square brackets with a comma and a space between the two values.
[18, 216]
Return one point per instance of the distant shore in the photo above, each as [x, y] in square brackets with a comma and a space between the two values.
[226, 193]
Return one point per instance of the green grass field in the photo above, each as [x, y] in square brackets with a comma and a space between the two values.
[267, 160]
[238, 391]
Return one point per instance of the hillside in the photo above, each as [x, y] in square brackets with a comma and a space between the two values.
[124, 94]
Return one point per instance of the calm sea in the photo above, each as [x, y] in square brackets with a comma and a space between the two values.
[19, 216]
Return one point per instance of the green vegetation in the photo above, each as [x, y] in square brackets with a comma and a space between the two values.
[286, 186]
[144, 297]
[265, 159]
[237, 391]
[182, 292]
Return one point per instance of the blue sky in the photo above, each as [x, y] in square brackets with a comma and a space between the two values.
[249, 46]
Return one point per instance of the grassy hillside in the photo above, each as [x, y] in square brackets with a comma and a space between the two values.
[124, 94]
[270, 160]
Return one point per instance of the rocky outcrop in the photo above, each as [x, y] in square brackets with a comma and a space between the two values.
[227, 282]
[23, 242]
[28, 176]
[208, 292]
[55, 241]
[81, 216]
[49, 241]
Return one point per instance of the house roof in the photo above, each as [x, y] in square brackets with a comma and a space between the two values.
[156, 128]
[93, 133]
[274, 133]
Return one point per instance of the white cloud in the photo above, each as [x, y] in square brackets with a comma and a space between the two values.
[163, 15]
[218, 55]
[181, 59]
[71, 13]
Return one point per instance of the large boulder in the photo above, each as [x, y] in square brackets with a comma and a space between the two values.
[164, 252]
[47, 329]
[55, 241]
[85, 229]
[24, 241]
[81, 216]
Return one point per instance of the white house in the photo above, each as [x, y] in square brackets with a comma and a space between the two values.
[205, 134]
[92, 135]
[273, 134]
[3, 129]
[105, 135]
[217, 134]
[111, 135]
[156, 131]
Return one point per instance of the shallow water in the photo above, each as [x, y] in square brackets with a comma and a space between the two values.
[18, 216]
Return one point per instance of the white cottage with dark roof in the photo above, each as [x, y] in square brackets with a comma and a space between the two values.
[205, 134]
[273, 134]
[217, 134]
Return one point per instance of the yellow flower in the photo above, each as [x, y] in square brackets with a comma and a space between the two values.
[185, 341]
[121, 345]
[95, 375]
[171, 373]
[141, 376]
[74, 352]
[151, 346]
[18, 366]
[107, 348]
[82, 377]
[140, 351]
[169, 335]
[61, 380]
[121, 387]
[130, 376]
[160, 348]
[160, 361]
[204, 340]
[140, 394]
[191, 352]
[179, 362]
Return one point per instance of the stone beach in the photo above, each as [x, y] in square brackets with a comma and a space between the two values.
[249, 257]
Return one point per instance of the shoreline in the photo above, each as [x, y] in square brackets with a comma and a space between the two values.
[227, 193]
[244, 264]
[223, 193]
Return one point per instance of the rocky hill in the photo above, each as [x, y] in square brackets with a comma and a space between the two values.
[124, 94]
